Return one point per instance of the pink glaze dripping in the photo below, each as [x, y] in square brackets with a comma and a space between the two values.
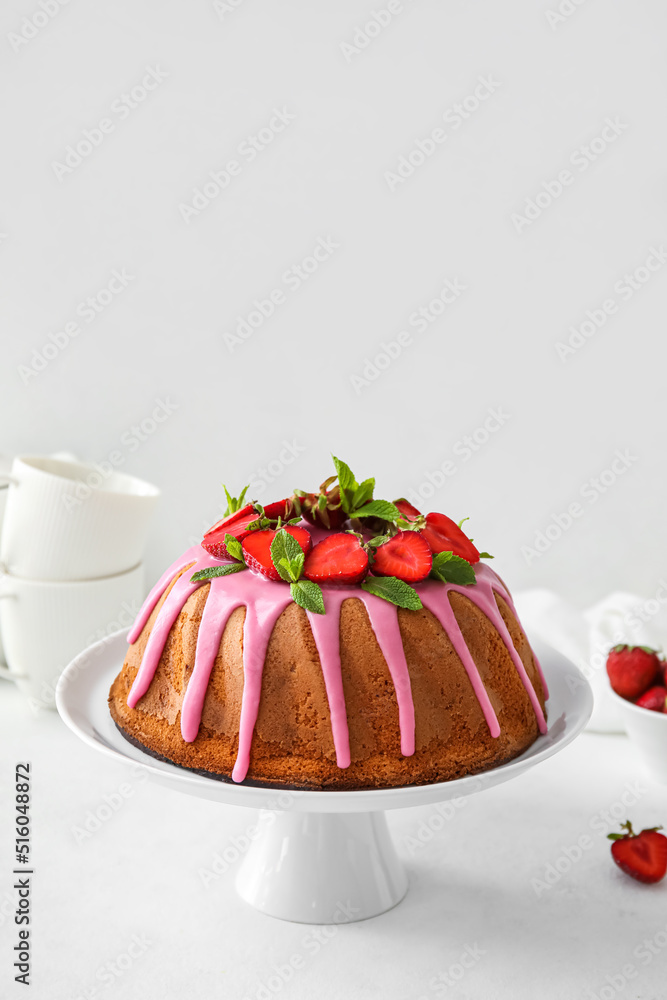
[265, 600]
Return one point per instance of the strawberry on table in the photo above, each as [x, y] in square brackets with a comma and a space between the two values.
[655, 699]
[643, 855]
[340, 558]
[632, 670]
[406, 555]
[257, 548]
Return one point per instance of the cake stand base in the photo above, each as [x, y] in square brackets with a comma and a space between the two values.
[322, 868]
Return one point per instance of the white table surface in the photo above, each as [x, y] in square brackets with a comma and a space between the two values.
[472, 889]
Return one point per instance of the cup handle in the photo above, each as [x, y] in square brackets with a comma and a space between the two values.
[6, 481]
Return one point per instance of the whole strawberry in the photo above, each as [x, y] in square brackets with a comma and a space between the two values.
[643, 855]
[655, 699]
[632, 670]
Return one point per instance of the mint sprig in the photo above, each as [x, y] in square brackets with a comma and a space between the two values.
[449, 568]
[212, 571]
[308, 595]
[287, 556]
[234, 503]
[391, 589]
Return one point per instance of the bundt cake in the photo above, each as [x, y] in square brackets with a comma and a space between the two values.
[330, 641]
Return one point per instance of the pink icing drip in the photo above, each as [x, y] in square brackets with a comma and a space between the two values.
[483, 596]
[265, 600]
[384, 622]
[326, 633]
[159, 589]
[434, 597]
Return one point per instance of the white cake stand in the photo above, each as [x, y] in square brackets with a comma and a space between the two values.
[314, 857]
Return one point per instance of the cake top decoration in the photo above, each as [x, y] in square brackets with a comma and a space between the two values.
[349, 537]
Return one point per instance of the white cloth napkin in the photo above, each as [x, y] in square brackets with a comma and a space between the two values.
[585, 637]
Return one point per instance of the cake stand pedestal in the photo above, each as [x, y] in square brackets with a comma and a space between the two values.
[322, 868]
[316, 857]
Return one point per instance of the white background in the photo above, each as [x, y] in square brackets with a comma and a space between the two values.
[163, 338]
[355, 114]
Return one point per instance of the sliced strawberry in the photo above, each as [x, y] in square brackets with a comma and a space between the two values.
[643, 855]
[407, 556]
[339, 558]
[237, 525]
[409, 512]
[655, 699]
[632, 670]
[257, 548]
[444, 535]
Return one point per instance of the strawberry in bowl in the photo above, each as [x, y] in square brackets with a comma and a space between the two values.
[637, 680]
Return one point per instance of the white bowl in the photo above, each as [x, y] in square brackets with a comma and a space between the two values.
[648, 731]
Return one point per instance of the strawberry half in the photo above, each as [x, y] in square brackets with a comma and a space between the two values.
[407, 556]
[237, 525]
[340, 558]
[655, 699]
[632, 670]
[257, 548]
[409, 512]
[643, 855]
[444, 535]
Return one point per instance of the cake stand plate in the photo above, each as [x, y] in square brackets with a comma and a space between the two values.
[315, 857]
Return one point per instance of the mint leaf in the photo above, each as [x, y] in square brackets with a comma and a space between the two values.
[485, 555]
[449, 568]
[363, 493]
[347, 484]
[234, 547]
[287, 556]
[291, 569]
[379, 508]
[208, 574]
[346, 479]
[378, 540]
[394, 590]
[308, 595]
[234, 503]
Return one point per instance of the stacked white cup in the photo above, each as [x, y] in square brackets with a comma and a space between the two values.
[71, 551]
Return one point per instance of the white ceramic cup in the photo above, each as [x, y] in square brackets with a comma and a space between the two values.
[72, 520]
[45, 624]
